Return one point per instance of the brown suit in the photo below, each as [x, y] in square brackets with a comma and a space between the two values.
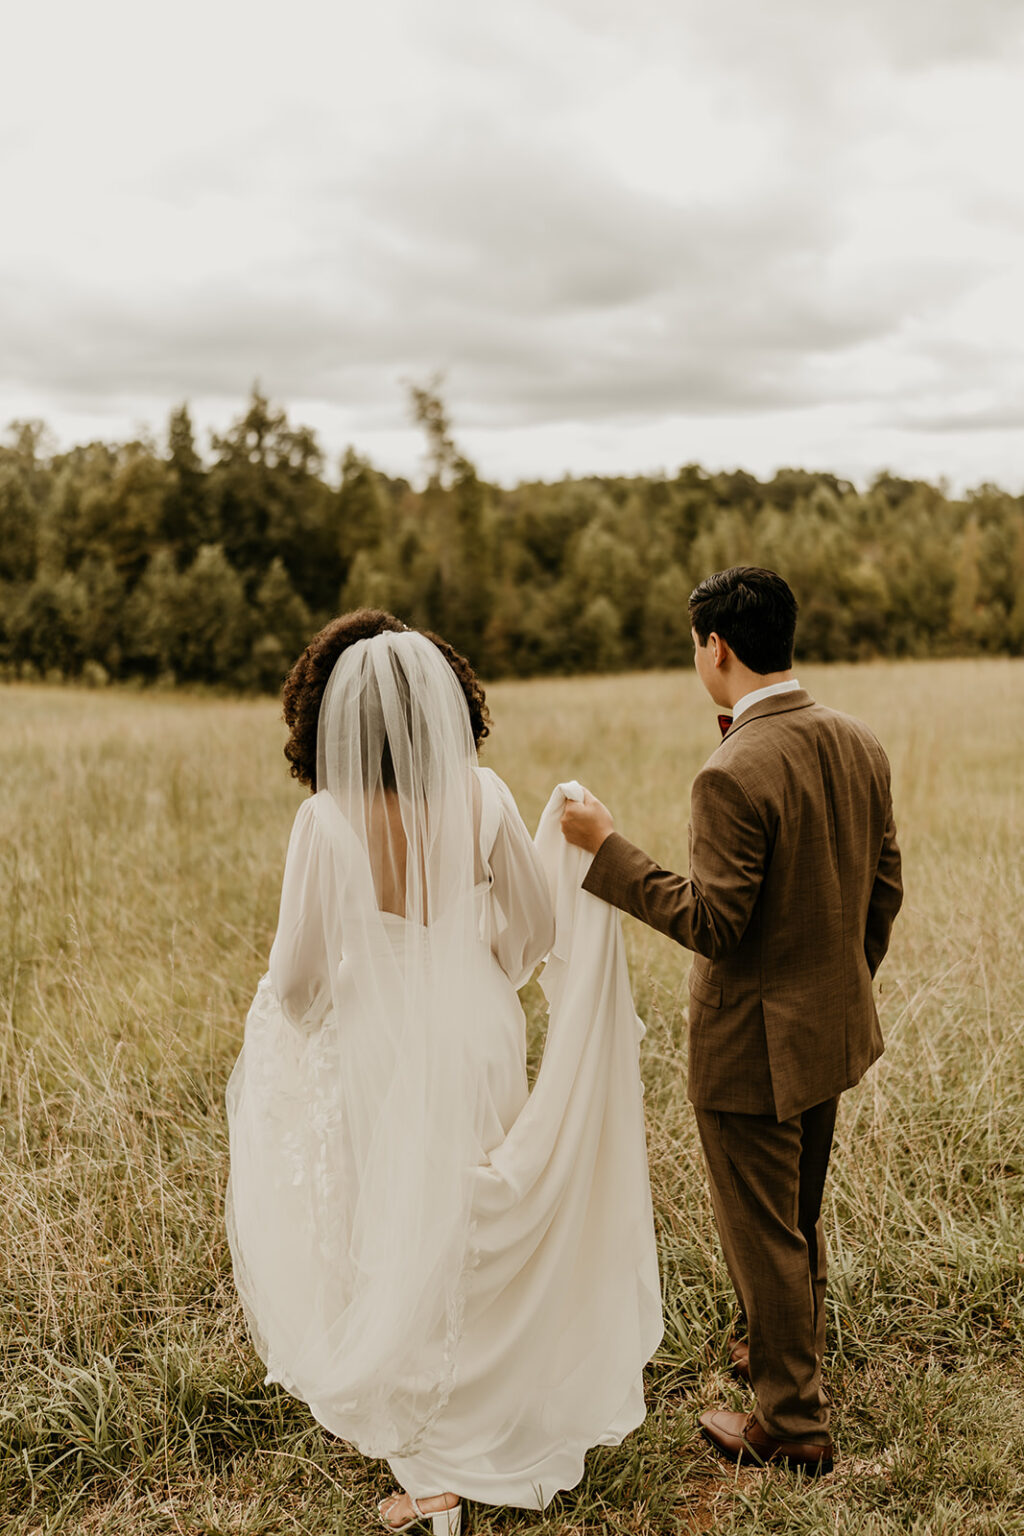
[793, 887]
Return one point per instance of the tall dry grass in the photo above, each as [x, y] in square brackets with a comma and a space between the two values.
[141, 840]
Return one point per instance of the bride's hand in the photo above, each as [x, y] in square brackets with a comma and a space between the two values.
[586, 823]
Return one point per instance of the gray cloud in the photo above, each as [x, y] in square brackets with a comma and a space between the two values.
[997, 418]
[548, 289]
[482, 235]
[908, 34]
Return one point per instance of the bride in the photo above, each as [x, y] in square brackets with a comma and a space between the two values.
[453, 1272]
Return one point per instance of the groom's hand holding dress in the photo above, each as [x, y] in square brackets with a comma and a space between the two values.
[586, 823]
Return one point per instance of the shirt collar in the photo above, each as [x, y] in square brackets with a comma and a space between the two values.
[755, 697]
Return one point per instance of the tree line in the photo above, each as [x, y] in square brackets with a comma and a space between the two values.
[132, 561]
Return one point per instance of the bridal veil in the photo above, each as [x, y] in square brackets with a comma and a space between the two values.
[352, 1152]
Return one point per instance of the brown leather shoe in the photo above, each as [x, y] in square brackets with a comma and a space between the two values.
[739, 1358]
[740, 1437]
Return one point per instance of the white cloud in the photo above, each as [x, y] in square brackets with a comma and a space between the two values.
[624, 231]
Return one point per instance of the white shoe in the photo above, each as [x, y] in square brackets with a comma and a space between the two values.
[446, 1522]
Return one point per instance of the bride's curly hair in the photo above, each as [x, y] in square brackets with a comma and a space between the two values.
[304, 686]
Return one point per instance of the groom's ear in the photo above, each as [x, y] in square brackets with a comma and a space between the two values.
[719, 649]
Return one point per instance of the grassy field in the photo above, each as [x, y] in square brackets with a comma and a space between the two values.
[142, 840]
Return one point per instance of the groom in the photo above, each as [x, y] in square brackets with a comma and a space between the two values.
[793, 887]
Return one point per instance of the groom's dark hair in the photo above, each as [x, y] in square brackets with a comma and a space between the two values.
[753, 610]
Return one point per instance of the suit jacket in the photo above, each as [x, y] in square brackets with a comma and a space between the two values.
[793, 887]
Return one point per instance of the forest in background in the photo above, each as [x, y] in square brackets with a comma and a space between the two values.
[130, 561]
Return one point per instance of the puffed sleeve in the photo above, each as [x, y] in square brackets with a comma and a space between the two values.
[522, 920]
[298, 958]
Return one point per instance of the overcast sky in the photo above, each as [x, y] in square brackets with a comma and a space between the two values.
[631, 235]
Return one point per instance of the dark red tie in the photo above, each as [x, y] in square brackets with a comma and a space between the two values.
[724, 722]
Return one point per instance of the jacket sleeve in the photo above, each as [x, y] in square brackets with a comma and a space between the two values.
[886, 896]
[707, 912]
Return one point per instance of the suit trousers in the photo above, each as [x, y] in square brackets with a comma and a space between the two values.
[767, 1178]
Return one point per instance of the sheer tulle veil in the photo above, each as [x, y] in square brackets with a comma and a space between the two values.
[354, 1138]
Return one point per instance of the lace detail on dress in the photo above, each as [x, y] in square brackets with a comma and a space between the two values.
[290, 1079]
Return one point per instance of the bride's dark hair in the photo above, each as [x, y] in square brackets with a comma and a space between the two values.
[304, 686]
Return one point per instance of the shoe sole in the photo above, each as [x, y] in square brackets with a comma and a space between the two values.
[744, 1456]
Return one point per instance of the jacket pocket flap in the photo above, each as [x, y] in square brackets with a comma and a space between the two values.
[706, 992]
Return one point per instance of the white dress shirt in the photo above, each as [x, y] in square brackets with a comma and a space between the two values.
[758, 694]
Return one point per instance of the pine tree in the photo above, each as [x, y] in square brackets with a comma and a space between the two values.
[102, 622]
[19, 526]
[154, 619]
[283, 626]
[216, 623]
[667, 638]
[599, 636]
[964, 605]
[186, 521]
[1015, 626]
[360, 509]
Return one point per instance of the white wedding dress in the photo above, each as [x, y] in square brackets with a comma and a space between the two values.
[453, 1272]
